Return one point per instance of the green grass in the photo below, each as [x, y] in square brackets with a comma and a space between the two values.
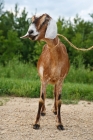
[1, 103]
[20, 88]
[3, 100]
[22, 80]
[19, 70]
[78, 91]
[28, 88]
[79, 75]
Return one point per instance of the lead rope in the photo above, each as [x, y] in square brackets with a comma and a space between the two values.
[57, 43]
[81, 49]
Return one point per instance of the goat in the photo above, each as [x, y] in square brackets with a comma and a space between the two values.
[53, 64]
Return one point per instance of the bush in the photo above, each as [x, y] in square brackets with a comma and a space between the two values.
[18, 70]
[79, 75]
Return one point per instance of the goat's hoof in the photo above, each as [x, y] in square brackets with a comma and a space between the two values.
[55, 112]
[43, 113]
[60, 127]
[36, 126]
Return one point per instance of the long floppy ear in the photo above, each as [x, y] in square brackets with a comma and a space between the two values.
[51, 31]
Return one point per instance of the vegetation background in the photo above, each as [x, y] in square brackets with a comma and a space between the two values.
[18, 58]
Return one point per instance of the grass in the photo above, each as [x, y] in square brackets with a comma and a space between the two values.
[28, 88]
[3, 100]
[1, 103]
[78, 91]
[22, 80]
[19, 70]
[80, 75]
[19, 87]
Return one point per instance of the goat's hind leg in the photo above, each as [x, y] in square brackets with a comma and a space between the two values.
[59, 123]
[43, 110]
[58, 105]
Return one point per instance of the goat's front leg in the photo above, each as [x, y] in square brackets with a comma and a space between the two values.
[43, 96]
[57, 104]
[55, 101]
[41, 106]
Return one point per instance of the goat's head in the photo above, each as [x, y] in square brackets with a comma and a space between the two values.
[41, 27]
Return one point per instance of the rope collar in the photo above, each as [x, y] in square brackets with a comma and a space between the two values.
[55, 45]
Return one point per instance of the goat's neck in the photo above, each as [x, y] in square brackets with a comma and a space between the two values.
[51, 42]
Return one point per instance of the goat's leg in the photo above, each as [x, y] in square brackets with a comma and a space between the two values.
[58, 105]
[43, 110]
[59, 123]
[55, 102]
[43, 95]
[41, 106]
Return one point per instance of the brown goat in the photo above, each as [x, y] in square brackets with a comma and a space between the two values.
[53, 64]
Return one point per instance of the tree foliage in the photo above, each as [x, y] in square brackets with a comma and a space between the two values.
[15, 24]
[80, 33]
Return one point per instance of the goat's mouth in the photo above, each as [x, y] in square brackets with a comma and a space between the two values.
[33, 37]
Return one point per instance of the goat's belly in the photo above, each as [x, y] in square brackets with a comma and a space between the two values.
[56, 76]
[53, 81]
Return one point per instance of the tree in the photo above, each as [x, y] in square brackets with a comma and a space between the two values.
[1, 6]
[10, 46]
[80, 34]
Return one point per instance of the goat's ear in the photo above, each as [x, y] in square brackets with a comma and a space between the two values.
[51, 31]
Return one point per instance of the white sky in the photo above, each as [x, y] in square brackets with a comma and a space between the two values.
[55, 8]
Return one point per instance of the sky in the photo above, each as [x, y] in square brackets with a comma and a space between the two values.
[55, 8]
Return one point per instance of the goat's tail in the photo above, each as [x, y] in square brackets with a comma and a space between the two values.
[81, 49]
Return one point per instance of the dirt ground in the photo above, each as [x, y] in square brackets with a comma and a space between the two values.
[18, 115]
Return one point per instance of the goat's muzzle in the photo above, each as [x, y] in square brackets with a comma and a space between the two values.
[32, 37]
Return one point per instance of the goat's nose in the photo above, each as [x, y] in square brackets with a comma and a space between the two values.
[30, 32]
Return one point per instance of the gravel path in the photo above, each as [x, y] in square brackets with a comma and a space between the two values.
[18, 115]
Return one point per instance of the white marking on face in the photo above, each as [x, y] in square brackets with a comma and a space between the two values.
[33, 28]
